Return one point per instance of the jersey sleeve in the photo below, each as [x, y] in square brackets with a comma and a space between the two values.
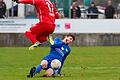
[59, 70]
[57, 16]
[26, 1]
[57, 43]
[33, 2]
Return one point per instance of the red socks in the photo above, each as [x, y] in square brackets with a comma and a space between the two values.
[31, 36]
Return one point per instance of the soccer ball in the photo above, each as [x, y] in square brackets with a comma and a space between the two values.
[55, 64]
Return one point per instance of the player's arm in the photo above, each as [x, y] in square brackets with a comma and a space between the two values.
[27, 1]
[59, 70]
[57, 15]
[24, 1]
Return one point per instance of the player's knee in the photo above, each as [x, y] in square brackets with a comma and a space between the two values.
[44, 64]
[28, 30]
[27, 33]
[49, 72]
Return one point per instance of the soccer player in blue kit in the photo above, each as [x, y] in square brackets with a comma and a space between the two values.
[59, 50]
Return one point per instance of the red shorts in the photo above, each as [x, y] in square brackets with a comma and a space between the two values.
[42, 30]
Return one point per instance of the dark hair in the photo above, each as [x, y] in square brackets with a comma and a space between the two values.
[92, 3]
[71, 36]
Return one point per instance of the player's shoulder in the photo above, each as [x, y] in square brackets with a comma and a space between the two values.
[57, 38]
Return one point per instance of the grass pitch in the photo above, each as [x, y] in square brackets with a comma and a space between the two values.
[84, 63]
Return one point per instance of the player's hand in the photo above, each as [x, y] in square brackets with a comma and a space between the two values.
[15, 1]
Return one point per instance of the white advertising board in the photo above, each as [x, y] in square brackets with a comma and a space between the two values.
[16, 25]
[88, 26]
[64, 25]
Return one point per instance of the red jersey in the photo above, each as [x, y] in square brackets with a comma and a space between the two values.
[45, 9]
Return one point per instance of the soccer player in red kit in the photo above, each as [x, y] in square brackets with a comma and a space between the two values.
[47, 14]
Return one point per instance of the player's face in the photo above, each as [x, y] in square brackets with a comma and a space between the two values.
[68, 39]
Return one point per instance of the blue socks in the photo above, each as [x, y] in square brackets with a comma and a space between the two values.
[38, 69]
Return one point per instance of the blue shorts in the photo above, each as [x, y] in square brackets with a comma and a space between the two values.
[49, 58]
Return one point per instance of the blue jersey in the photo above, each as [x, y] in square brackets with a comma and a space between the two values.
[59, 50]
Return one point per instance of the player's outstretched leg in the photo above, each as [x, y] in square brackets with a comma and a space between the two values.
[37, 44]
[33, 39]
[50, 39]
[32, 72]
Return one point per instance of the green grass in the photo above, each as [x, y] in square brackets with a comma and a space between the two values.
[84, 63]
